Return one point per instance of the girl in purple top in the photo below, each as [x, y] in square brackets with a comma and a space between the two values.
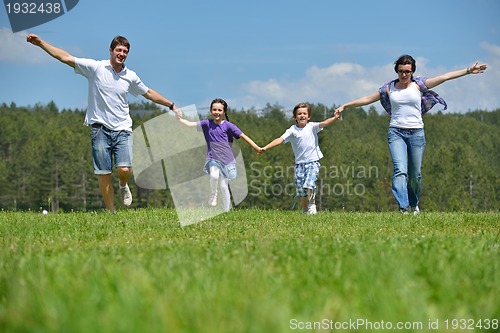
[219, 134]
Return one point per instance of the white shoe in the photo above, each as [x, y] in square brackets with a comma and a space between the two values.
[311, 210]
[416, 210]
[212, 201]
[126, 195]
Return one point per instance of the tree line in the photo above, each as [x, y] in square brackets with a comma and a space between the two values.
[47, 164]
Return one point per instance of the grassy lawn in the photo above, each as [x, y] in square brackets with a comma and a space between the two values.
[249, 271]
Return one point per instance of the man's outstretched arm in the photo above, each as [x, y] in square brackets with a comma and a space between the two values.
[53, 51]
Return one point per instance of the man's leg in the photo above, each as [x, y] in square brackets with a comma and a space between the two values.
[106, 187]
[101, 159]
[123, 162]
[124, 174]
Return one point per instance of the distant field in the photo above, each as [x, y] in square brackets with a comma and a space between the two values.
[249, 271]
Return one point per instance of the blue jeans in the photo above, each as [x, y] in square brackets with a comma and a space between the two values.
[407, 150]
[108, 144]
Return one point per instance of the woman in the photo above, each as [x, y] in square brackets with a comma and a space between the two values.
[406, 99]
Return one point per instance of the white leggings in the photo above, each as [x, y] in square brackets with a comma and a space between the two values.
[224, 187]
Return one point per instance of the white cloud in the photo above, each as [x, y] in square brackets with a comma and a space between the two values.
[343, 82]
[337, 83]
[15, 49]
[493, 49]
[270, 88]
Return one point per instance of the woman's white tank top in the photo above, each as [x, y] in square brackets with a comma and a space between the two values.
[406, 107]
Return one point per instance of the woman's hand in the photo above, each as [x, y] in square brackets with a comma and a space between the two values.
[476, 68]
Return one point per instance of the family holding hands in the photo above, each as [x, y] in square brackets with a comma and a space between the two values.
[406, 99]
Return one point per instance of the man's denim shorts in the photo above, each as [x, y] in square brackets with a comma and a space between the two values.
[108, 145]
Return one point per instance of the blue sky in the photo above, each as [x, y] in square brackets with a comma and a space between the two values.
[256, 52]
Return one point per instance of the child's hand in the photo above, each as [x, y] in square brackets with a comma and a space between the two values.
[177, 111]
[259, 150]
[338, 112]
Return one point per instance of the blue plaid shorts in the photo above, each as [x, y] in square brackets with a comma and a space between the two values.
[305, 177]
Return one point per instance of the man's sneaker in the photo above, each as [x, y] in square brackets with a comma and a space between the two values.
[403, 211]
[212, 201]
[311, 210]
[416, 210]
[126, 195]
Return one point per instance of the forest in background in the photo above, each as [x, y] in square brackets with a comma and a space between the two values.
[46, 160]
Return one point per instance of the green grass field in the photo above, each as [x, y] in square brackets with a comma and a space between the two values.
[249, 271]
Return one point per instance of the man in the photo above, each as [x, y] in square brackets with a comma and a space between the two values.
[108, 112]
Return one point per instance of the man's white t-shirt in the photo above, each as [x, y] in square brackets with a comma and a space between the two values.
[107, 96]
[304, 142]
